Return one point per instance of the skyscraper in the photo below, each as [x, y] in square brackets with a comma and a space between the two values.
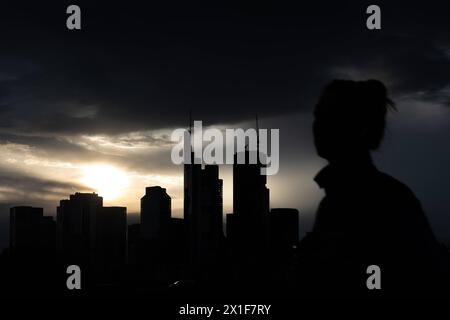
[211, 212]
[248, 236]
[92, 236]
[247, 232]
[110, 244]
[155, 213]
[250, 194]
[203, 211]
[32, 251]
[76, 225]
[31, 231]
[192, 206]
[251, 199]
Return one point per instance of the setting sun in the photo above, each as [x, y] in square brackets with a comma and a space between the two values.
[109, 182]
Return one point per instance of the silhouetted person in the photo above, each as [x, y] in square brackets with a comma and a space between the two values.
[367, 217]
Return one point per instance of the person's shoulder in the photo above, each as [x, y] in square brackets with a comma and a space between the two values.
[394, 187]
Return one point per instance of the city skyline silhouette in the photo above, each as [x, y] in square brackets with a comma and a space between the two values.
[366, 217]
[87, 114]
[161, 252]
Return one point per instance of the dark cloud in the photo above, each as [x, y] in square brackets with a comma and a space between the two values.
[146, 66]
[22, 188]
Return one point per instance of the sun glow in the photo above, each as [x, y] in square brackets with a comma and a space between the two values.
[109, 182]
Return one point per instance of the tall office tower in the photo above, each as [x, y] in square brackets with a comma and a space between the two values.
[110, 243]
[32, 247]
[249, 237]
[152, 246]
[76, 224]
[203, 212]
[203, 206]
[250, 194]
[30, 231]
[192, 207]
[92, 236]
[211, 213]
[250, 202]
[248, 229]
[155, 213]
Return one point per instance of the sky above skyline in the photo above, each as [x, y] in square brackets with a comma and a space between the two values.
[79, 109]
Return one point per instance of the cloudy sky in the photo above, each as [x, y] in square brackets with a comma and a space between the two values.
[80, 109]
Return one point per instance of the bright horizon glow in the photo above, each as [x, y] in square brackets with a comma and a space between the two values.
[109, 182]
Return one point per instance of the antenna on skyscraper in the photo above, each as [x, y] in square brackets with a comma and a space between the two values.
[190, 121]
[257, 138]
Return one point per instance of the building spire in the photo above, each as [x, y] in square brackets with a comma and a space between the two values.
[190, 121]
[257, 138]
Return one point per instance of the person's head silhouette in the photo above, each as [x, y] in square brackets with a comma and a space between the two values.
[350, 118]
